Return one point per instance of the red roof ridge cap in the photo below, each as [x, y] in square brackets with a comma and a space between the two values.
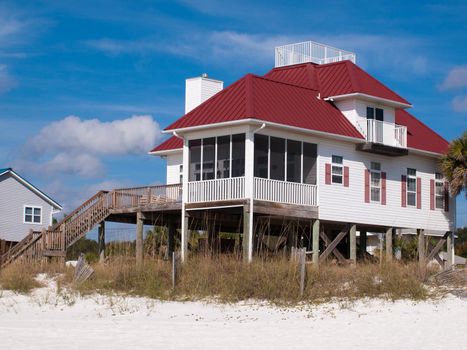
[284, 83]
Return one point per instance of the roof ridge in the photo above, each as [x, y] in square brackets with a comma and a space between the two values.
[284, 83]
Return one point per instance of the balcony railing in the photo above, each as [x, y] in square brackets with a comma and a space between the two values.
[285, 192]
[264, 189]
[216, 190]
[386, 133]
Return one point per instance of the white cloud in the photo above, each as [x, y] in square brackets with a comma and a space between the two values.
[459, 104]
[73, 146]
[456, 79]
[136, 134]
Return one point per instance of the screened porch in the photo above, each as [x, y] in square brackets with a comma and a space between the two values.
[284, 170]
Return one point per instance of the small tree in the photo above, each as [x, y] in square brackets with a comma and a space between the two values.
[454, 165]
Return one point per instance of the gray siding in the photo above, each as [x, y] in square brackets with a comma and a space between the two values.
[13, 197]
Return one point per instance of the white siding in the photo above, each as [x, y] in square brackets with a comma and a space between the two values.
[174, 161]
[347, 204]
[13, 197]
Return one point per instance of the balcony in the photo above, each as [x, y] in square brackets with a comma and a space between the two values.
[383, 138]
[264, 190]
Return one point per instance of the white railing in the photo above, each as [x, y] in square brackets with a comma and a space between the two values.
[400, 134]
[285, 192]
[216, 190]
[310, 51]
[385, 133]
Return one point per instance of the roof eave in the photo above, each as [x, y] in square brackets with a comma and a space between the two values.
[34, 189]
[260, 122]
[165, 152]
[371, 98]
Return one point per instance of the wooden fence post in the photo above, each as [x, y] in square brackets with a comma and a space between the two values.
[302, 254]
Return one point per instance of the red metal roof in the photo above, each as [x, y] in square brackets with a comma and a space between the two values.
[420, 136]
[169, 144]
[334, 79]
[254, 97]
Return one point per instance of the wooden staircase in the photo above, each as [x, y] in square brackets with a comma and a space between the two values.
[57, 239]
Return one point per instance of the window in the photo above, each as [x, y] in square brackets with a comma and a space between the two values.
[277, 159]
[32, 215]
[375, 182]
[375, 118]
[411, 187]
[375, 113]
[180, 170]
[337, 170]
[439, 191]
[294, 160]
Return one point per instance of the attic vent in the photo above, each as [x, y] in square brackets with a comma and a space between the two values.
[310, 51]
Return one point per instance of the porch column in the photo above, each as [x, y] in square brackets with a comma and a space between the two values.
[101, 241]
[139, 238]
[450, 263]
[353, 243]
[388, 240]
[170, 238]
[421, 248]
[248, 213]
[362, 240]
[316, 243]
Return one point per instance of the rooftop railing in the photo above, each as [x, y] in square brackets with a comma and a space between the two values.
[310, 51]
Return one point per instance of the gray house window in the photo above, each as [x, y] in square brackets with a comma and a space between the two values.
[32, 215]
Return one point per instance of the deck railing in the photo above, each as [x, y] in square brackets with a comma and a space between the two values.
[216, 190]
[139, 196]
[285, 192]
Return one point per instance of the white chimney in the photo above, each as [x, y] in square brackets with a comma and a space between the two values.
[199, 89]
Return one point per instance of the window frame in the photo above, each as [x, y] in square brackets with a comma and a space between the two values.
[337, 165]
[414, 177]
[26, 206]
[439, 179]
[374, 171]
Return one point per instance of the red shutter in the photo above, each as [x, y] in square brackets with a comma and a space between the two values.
[383, 188]
[328, 174]
[419, 193]
[403, 190]
[432, 194]
[367, 186]
[346, 176]
[446, 196]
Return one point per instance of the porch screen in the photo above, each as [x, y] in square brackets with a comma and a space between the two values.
[238, 155]
[209, 152]
[309, 163]
[223, 157]
[294, 161]
[195, 160]
[277, 161]
[261, 155]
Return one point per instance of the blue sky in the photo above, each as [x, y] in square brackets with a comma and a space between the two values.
[101, 68]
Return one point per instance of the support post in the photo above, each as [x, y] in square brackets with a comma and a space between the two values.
[170, 239]
[101, 241]
[247, 234]
[353, 243]
[388, 240]
[184, 229]
[450, 251]
[421, 248]
[362, 240]
[316, 243]
[139, 238]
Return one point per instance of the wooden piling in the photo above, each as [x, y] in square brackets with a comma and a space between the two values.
[101, 241]
[139, 238]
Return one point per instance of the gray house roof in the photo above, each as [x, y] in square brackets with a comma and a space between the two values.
[33, 188]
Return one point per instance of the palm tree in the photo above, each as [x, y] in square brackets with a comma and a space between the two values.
[454, 165]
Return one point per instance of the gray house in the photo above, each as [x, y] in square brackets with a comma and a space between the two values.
[23, 207]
